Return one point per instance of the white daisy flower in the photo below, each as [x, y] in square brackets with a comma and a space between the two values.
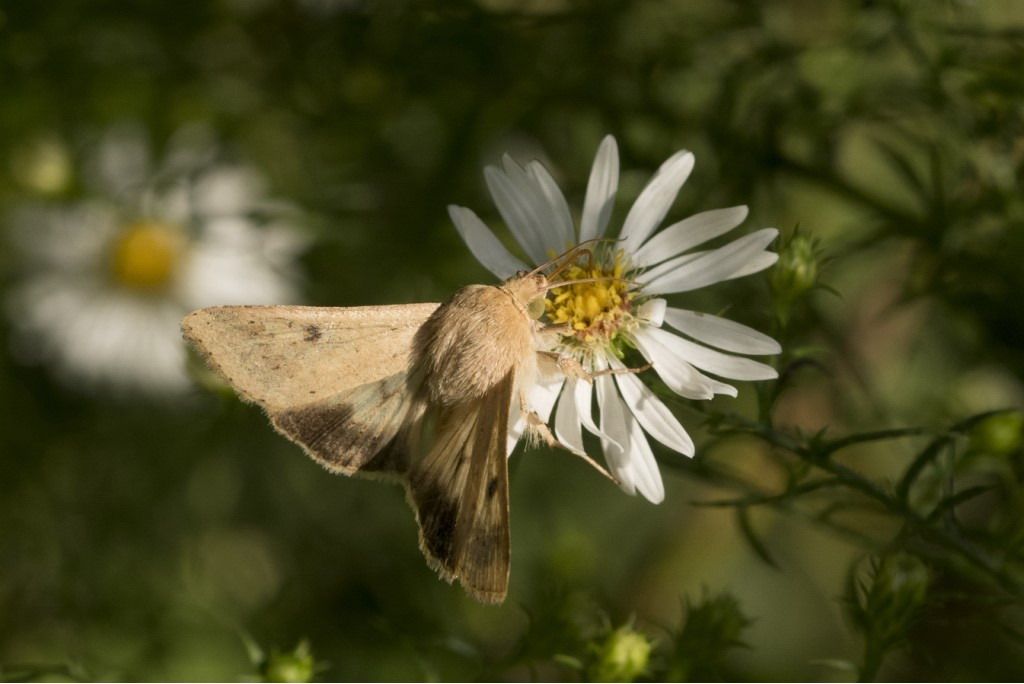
[625, 309]
[108, 279]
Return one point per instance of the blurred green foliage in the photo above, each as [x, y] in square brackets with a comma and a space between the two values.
[147, 539]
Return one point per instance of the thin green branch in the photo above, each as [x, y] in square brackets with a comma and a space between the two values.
[819, 456]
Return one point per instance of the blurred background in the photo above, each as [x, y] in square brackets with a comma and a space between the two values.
[157, 157]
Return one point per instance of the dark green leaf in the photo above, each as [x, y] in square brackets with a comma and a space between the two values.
[758, 546]
[926, 456]
[951, 502]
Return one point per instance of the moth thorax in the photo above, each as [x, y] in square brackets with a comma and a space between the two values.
[145, 256]
[471, 343]
[597, 310]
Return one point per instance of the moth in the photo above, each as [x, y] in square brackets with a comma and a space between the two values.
[420, 393]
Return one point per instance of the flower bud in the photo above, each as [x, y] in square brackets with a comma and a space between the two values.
[897, 591]
[42, 166]
[713, 626]
[797, 268]
[294, 666]
[1000, 434]
[623, 656]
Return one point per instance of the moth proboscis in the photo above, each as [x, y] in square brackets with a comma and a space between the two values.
[421, 393]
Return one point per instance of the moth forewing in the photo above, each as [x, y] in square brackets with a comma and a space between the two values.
[459, 491]
[331, 379]
[282, 357]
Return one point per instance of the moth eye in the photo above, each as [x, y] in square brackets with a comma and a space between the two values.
[535, 308]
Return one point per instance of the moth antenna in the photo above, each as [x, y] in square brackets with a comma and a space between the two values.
[563, 283]
[564, 257]
[568, 259]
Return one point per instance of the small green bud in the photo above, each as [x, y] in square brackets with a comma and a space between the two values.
[623, 656]
[713, 626]
[1000, 434]
[43, 166]
[294, 666]
[797, 269]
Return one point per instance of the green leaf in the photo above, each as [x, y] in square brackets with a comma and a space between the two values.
[926, 456]
[904, 168]
[874, 436]
[951, 502]
[969, 422]
[758, 546]
[761, 499]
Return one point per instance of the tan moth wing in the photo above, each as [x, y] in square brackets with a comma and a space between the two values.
[281, 357]
[334, 380]
[459, 491]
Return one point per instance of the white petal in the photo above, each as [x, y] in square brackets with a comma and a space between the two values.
[539, 209]
[688, 233]
[559, 219]
[518, 211]
[70, 239]
[583, 397]
[708, 359]
[655, 200]
[483, 244]
[634, 468]
[642, 464]
[601, 188]
[675, 370]
[172, 204]
[542, 396]
[653, 415]
[122, 164]
[517, 425]
[721, 332]
[567, 420]
[711, 267]
[228, 265]
[613, 421]
[670, 266]
[652, 311]
[540, 399]
[756, 265]
[228, 191]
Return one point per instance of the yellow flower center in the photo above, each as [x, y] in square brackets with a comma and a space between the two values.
[596, 310]
[146, 255]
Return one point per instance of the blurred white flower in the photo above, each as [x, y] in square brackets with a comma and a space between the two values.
[108, 279]
[624, 308]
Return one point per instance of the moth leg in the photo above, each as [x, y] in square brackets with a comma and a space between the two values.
[560, 328]
[537, 427]
[572, 368]
[540, 429]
